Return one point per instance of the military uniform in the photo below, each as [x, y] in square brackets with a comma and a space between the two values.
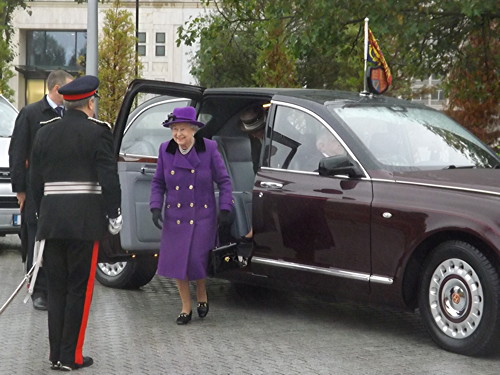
[76, 189]
[26, 126]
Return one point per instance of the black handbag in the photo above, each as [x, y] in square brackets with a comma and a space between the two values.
[223, 258]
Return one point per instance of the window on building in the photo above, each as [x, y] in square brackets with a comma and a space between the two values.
[141, 47]
[160, 44]
[47, 49]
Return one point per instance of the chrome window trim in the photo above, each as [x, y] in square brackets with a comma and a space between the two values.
[290, 170]
[360, 276]
[448, 187]
[343, 177]
[324, 123]
[136, 156]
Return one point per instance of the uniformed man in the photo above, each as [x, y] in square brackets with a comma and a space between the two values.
[77, 194]
[25, 129]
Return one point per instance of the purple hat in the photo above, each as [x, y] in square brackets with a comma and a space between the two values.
[182, 115]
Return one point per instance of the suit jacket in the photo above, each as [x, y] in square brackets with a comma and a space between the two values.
[21, 143]
[256, 148]
[70, 152]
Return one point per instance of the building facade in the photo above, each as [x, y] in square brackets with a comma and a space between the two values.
[53, 35]
[429, 92]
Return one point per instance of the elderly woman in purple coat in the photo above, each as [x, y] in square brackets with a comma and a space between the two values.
[183, 185]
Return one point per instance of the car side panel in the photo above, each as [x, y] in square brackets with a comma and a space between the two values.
[417, 213]
[314, 221]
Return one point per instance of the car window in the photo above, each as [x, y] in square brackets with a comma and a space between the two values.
[414, 138]
[7, 118]
[299, 141]
[145, 133]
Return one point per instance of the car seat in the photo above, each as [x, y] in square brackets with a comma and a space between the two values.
[237, 156]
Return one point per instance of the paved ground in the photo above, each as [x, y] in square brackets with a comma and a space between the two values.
[134, 332]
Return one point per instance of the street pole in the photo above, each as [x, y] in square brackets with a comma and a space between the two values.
[136, 35]
[91, 63]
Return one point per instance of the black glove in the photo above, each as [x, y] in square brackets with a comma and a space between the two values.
[223, 220]
[157, 217]
[224, 223]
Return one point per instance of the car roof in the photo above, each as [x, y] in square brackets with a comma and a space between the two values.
[319, 96]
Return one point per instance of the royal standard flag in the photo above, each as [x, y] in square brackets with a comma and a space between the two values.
[376, 57]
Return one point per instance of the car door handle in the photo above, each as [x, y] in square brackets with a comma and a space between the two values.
[146, 170]
[272, 185]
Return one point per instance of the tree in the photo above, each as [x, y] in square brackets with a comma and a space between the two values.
[293, 43]
[319, 44]
[473, 87]
[117, 60]
[7, 8]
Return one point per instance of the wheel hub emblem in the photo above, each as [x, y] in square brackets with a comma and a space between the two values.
[455, 298]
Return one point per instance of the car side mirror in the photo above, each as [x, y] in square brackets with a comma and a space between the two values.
[339, 165]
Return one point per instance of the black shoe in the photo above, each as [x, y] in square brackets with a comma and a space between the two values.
[40, 303]
[202, 309]
[87, 361]
[55, 365]
[184, 318]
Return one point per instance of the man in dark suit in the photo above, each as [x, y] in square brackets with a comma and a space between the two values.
[253, 121]
[77, 197]
[26, 126]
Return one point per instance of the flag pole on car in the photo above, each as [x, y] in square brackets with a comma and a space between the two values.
[377, 76]
[365, 81]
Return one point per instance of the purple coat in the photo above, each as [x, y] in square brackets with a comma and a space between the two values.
[183, 186]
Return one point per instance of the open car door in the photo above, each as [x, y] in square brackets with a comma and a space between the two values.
[138, 134]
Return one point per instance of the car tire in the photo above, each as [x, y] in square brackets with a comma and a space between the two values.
[459, 299]
[131, 274]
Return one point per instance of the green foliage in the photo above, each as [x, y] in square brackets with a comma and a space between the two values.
[7, 8]
[319, 44]
[473, 86]
[117, 60]
[5, 70]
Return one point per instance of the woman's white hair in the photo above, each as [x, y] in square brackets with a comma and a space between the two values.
[193, 126]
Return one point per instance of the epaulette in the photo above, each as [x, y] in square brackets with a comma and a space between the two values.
[99, 122]
[42, 123]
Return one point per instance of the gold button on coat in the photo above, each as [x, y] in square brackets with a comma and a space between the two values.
[192, 170]
[205, 205]
[190, 187]
[191, 222]
[191, 204]
[172, 172]
[178, 205]
[178, 221]
[177, 188]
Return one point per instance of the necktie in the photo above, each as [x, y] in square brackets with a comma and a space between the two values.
[59, 111]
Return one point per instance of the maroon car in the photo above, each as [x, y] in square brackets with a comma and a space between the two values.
[371, 199]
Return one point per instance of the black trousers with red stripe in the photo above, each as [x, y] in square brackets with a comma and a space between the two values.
[70, 268]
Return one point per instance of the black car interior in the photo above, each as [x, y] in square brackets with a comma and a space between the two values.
[235, 148]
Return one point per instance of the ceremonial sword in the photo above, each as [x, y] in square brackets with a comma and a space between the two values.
[38, 256]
